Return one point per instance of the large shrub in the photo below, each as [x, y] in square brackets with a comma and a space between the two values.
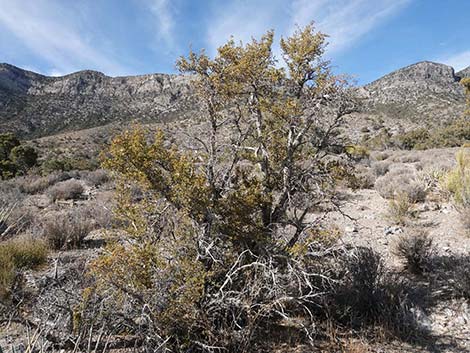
[219, 250]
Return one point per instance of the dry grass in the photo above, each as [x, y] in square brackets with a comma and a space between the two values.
[401, 209]
[19, 254]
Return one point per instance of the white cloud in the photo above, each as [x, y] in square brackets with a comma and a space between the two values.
[345, 21]
[50, 32]
[162, 12]
[458, 61]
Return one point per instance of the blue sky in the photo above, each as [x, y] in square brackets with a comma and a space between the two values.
[368, 38]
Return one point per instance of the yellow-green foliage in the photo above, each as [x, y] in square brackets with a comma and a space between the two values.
[200, 211]
[357, 152]
[171, 264]
[466, 83]
[400, 209]
[16, 255]
[457, 181]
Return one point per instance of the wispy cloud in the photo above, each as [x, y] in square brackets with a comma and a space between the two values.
[458, 61]
[48, 30]
[345, 21]
[163, 14]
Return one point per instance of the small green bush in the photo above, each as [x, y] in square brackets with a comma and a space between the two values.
[15, 158]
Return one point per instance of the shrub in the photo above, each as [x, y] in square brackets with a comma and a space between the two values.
[67, 230]
[416, 250]
[66, 164]
[414, 139]
[400, 208]
[24, 157]
[65, 190]
[14, 157]
[457, 181]
[357, 152]
[34, 184]
[96, 177]
[452, 135]
[19, 254]
[402, 180]
[368, 295]
[381, 168]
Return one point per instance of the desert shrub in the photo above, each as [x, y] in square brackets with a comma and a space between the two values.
[357, 152]
[15, 158]
[414, 139]
[452, 135]
[17, 255]
[402, 180]
[25, 157]
[34, 184]
[67, 164]
[96, 177]
[416, 250]
[457, 181]
[400, 209]
[381, 168]
[68, 229]
[369, 295]
[65, 190]
[208, 248]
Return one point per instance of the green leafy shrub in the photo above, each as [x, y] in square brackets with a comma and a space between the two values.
[357, 152]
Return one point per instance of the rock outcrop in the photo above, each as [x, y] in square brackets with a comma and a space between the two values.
[36, 105]
[425, 92]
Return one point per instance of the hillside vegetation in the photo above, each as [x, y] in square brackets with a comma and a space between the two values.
[264, 222]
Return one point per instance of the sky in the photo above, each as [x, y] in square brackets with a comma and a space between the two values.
[367, 38]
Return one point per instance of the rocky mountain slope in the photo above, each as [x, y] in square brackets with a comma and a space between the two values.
[34, 105]
[423, 92]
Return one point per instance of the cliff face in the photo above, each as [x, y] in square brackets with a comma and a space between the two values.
[426, 91]
[37, 105]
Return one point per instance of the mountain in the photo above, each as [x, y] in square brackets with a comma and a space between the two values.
[35, 105]
[464, 73]
[424, 92]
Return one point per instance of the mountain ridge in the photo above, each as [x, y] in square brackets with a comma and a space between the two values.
[35, 105]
